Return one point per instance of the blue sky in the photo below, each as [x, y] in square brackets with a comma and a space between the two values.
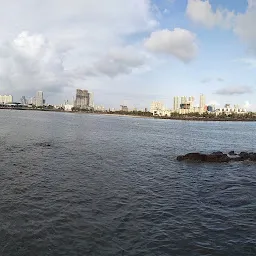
[130, 52]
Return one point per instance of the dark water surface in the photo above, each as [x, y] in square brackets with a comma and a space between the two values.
[108, 185]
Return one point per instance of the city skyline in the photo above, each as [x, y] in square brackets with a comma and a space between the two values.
[135, 51]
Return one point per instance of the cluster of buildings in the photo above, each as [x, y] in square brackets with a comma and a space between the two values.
[185, 105]
[37, 100]
[84, 100]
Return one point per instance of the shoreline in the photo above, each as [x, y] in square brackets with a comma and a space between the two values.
[200, 119]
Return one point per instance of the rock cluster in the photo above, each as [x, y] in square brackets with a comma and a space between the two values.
[218, 157]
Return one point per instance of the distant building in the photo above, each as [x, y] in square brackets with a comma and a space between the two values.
[23, 100]
[91, 100]
[210, 108]
[176, 103]
[183, 100]
[202, 103]
[82, 99]
[157, 109]
[124, 108]
[32, 101]
[185, 105]
[6, 99]
[191, 101]
[99, 108]
[39, 99]
[68, 107]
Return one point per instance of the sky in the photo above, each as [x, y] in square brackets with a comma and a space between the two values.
[129, 52]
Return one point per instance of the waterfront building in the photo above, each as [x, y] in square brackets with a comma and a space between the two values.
[99, 108]
[228, 110]
[157, 109]
[4, 99]
[176, 103]
[68, 107]
[39, 100]
[82, 99]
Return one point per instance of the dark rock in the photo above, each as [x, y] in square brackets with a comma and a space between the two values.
[180, 158]
[194, 157]
[244, 155]
[218, 158]
[252, 157]
[237, 159]
[217, 153]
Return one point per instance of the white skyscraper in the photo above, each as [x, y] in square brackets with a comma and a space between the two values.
[91, 99]
[39, 99]
[202, 102]
[6, 99]
[176, 103]
[183, 99]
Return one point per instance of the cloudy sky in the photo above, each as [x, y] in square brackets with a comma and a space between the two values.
[129, 52]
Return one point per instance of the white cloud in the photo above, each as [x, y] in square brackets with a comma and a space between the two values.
[31, 62]
[242, 24]
[250, 62]
[211, 79]
[117, 62]
[180, 43]
[74, 40]
[234, 90]
[201, 12]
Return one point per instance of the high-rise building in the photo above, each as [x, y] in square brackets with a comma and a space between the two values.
[23, 100]
[202, 102]
[82, 99]
[191, 101]
[39, 99]
[6, 99]
[176, 103]
[32, 101]
[91, 100]
[183, 100]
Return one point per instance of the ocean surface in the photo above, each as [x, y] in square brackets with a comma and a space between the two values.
[80, 184]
